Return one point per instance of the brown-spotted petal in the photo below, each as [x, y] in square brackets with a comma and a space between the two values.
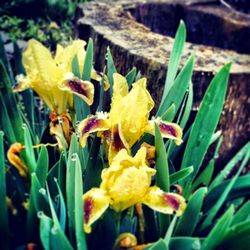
[117, 142]
[95, 202]
[83, 89]
[168, 130]
[91, 124]
[163, 202]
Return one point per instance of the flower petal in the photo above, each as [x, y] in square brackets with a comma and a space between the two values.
[92, 124]
[83, 89]
[168, 130]
[117, 142]
[95, 202]
[22, 83]
[163, 202]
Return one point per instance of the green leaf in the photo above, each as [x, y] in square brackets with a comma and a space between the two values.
[175, 58]
[4, 59]
[30, 158]
[78, 206]
[231, 164]
[218, 204]
[58, 238]
[45, 229]
[131, 76]
[206, 121]
[12, 108]
[191, 215]
[185, 243]
[42, 166]
[240, 188]
[242, 214]
[62, 216]
[4, 224]
[188, 107]
[94, 167]
[216, 235]
[159, 245]
[178, 90]
[180, 175]
[205, 177]
[75, 66]
[88, 63]
[170, 230]
[169, 114]
[111, 70]
[237, 237]
[162, 174]
[5, 122]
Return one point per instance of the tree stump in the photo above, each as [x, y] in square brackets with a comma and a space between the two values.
[139, 34]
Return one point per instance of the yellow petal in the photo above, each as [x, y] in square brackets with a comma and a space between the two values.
[83, 89]
[127, 179]
[92, 124]
[132, 112]
[40, 66]
[163, 202]
[95, 202]
[22, 83]
[120, 87]
[64, 56]
[168, 130]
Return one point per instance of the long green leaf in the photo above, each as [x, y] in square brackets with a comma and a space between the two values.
[180, 175]
[216, 235]
[46, 224]
[205, 177]
[242, 214]
[162, 175]
[237, 237]
[131, 76]
[30, 158]
[190, 217]
[159, 245]
[58, 238]
[11, 105]
[187, 243]
[4, 225]
[206, 121]
[42, 166]
[177, 92]
[80, 236]
[111, 70]
[88, 62]
[214, 210]
[175, 58]
[231, 164]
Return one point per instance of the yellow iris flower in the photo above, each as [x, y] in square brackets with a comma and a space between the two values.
[127, 182]
[128, 118]
[52, 78]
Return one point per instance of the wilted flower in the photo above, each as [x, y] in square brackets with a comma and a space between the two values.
[128, 118]
[127, 182]
[52, 78]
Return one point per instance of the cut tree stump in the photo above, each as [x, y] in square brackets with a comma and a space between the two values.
[139, 33]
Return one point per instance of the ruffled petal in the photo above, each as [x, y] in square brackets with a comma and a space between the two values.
[95, 202]
[168, 130]
[92, 124]
[163, 202]
[83, 89]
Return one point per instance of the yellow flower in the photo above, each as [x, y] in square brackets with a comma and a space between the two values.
[52, 78]
[127, 182]
[128, 118]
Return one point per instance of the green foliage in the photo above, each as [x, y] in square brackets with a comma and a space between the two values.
[217, 212]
